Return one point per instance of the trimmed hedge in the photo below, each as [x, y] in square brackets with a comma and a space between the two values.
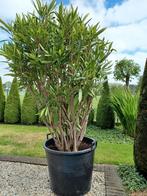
[2, 101]
[12, 108]
[29, 109]
[105, 114]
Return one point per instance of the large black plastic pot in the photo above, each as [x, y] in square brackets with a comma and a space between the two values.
[70, 172]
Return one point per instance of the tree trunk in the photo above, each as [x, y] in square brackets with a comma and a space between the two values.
[140, 143]
[127, 81]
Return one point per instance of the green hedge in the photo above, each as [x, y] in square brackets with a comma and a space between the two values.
[2, 102]
[12, 108]
[29, 109]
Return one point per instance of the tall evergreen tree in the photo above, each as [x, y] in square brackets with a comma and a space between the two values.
[2, 101]
[12, 108]
[105, 115]
[91, 117]
[29, 109]
[140, 143]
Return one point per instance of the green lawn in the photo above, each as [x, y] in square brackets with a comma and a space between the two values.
[113, 146]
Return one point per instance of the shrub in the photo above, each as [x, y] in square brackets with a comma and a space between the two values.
[29, 109]
[91, 117]
[105, 115]
[65, 58]
[131, 179]
[2, 102]
[125, 104]
[12, 108]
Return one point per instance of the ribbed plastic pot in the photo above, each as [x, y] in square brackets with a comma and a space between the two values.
[70, 172]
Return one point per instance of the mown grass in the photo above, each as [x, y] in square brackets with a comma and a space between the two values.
[19, 140]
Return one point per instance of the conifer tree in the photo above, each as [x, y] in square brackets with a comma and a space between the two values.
[140, 142]
[2, 101]
[29, 109]
[105, 115]
[12, 108]
[91, 117]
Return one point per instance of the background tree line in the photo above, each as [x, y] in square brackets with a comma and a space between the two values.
[11, 109]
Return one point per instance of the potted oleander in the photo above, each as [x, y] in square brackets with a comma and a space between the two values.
[62, 59]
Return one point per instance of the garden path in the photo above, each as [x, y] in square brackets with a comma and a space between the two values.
[25, 176]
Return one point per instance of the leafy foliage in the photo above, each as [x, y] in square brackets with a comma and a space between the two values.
[58, 53]
[131, 178]
[12, 108]
[125, 104]
[105, 115]
[125, 70]
[2, 102]
[29, 109]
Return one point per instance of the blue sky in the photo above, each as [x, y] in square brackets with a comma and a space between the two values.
[112, 3]
[108, 3]
[126, 22]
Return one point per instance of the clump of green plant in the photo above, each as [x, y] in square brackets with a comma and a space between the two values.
[12, 108]
[2, 101]
[29, 109]
[58, 53]
[131, 179]
[125, 104]
[105, 115]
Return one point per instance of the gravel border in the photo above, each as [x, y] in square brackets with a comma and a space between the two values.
[113, 184]
[21, 179]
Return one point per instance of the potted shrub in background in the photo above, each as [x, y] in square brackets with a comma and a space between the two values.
[61, 59]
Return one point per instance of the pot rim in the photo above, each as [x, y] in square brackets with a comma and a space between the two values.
[93, 147]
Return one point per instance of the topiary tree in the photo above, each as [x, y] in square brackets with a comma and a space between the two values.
[7, 86]
[125, 70]
[2, 101]
[140, 143]
[138, 87]
[12, 108]
[105, 115]
[91, 117]
[29, 109]
[59, 54]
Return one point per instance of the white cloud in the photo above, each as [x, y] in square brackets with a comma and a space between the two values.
[4, 70]
[129, 11]
[127, 24]
[127, 27]
[9, 8]
[3, 35]
[95, 8]
[129, 37]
